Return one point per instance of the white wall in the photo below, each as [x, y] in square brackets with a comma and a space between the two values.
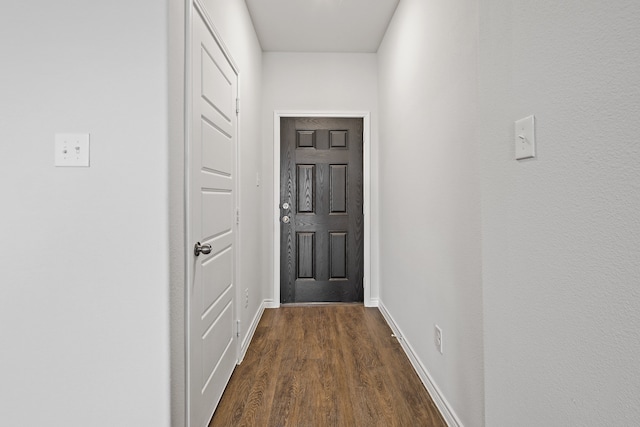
[83, 259]
[430, 259]
[176, 68]
[232, 22]
[561, 232]
[316, 82]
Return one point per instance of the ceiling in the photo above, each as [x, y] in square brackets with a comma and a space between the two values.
[321, 25]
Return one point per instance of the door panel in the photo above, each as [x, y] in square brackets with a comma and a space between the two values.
[322, 245]
[306, 188]
[339, 253]
[217, 153]
[212, 148]
[306, 256]
[338, 189]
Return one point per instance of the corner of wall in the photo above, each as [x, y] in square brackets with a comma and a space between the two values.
[175, 182]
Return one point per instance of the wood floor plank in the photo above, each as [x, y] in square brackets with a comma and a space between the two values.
[325, 365]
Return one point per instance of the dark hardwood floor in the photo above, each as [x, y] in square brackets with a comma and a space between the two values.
[327, 365]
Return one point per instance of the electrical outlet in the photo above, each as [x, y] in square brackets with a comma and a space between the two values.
[71, 149]
[246, 298]
[438, 338]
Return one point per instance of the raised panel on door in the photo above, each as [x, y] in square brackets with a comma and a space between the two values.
[338, 189]
[306, 189]
[321, 177]
[211, 296]
[306, 259]
[338, 255]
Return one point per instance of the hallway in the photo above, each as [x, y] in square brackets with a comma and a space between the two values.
[528, 269]
[325, 365]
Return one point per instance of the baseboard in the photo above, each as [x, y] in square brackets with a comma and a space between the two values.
[445, 409]
[373, 302]
[269, 303]
[252, 329]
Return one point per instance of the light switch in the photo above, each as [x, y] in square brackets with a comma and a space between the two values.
[525, 139]
[72, 149]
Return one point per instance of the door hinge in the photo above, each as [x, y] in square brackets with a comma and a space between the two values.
[237, 328]
[238, 216]
[237, 106]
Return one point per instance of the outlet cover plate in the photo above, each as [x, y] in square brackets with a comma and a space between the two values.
[525, 138]
[72, 149]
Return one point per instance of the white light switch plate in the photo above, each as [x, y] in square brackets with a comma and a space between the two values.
[72, 149]
[525, 139]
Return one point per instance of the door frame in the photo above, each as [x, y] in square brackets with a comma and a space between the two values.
[193, 7]
[366, 154]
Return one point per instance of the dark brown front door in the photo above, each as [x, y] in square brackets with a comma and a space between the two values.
[321, 219]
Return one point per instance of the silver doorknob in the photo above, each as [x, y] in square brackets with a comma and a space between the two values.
[285, 206]
[201, 249]
[285, 219]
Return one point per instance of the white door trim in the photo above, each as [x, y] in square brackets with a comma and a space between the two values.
[366, 118]
[192, 7]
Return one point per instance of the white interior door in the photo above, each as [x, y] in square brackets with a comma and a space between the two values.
[211, 206]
